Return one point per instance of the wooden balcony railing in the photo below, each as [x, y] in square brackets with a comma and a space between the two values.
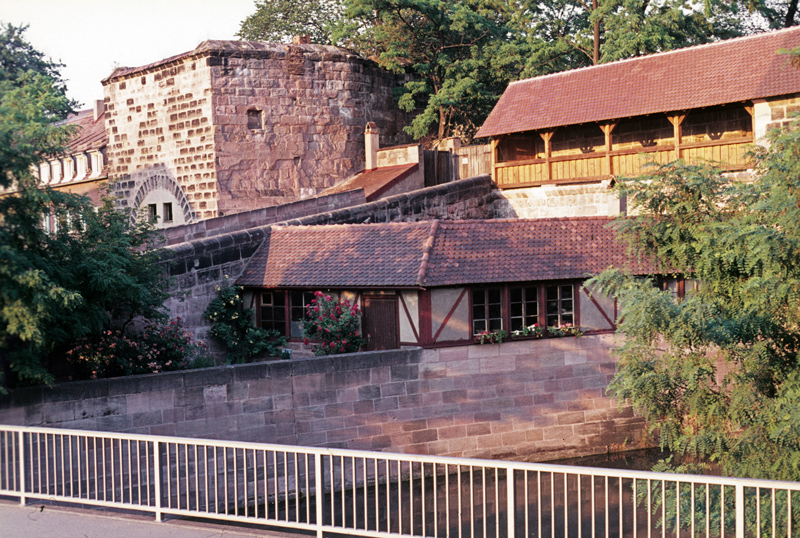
[730, 154]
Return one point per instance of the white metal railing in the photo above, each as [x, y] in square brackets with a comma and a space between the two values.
[380, 494]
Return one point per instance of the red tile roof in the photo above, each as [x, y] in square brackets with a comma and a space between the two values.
[729, 71]
[437, 253]
[375, 182]
[91, 133]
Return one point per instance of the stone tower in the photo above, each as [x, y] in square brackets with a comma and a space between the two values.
[235, 125]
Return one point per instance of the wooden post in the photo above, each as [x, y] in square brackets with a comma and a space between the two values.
[607, 129]
[494, 143]
[547, 136]
[676, 121]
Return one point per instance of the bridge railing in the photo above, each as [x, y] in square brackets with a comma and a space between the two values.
[380, 494]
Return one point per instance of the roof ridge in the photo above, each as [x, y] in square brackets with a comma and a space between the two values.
[721, 42]
[427, 247]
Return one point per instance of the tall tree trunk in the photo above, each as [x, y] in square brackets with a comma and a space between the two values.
[790, 14]
[442, 123]
[596, 51]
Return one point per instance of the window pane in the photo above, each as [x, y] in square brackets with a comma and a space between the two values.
[495, 324]
[494, 296]
[515, 310]
[566, 318]
[495, 311]
[566, 292]
[515, 295]
[478, 326]
[552, 293]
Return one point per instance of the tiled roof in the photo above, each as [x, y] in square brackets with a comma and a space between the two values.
[374, 182]
[437, 253]
[729, 71]
[91, 133]
[339, 255]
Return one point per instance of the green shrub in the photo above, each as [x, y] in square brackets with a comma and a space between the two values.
[233, 326]
[160, 346]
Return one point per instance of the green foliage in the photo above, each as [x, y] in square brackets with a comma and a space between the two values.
[717, 373]
[158, 347]
[278, 21]
[460, 55]
[18, 58]
[535, 330]
[450, 48]
[491, 337]
[233, 326]
[97, 272]
[333, 325]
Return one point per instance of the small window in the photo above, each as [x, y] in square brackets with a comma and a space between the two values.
[254, 120]
[168, 212]
[560, 305]
[273, 311]
[523, 307]
[487, 310]
[298, 301]
[152, 212]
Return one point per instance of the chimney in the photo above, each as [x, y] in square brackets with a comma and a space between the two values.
[99, 108]
[301, 40]
[451, 143]
[371, 144]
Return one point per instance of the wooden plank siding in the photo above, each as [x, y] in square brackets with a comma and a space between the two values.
[627, 151]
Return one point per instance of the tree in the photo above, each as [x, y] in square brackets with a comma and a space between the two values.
[278, 21]
[717, 372]
[18, 57]
[450, 49]
[96, 271]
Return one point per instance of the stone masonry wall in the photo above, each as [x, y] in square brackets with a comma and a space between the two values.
[533, 400]
[161, 118]
[312, 102]
[594, 199]
[243, 125]
[198, 267]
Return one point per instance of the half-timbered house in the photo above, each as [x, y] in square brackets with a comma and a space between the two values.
[439, 283]
[704, 103]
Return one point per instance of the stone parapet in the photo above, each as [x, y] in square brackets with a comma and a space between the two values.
[533, 400]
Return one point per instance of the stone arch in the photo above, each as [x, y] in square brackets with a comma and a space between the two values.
[160, 178]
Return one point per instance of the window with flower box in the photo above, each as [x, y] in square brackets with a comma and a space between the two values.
[487, 310]
[560, 305]
[514, 307]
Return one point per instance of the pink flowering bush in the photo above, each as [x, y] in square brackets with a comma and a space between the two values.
[159, 347]
[333, 325]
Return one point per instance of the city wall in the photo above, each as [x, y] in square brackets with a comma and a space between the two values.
[530, 400]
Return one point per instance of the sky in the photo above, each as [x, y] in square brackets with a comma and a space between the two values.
[92, 37]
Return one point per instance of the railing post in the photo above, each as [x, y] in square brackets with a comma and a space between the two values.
[739, 511]
[22, 472]
[511, 505]
[318, 492]
[157, 476]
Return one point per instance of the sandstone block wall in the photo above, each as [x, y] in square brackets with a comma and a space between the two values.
[244, 125]
[161, 118]
[548, 201]
[533, 400]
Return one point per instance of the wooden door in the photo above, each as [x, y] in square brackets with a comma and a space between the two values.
[379, 322]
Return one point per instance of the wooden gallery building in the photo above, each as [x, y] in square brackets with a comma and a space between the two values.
[438, 283]
[704, 103]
